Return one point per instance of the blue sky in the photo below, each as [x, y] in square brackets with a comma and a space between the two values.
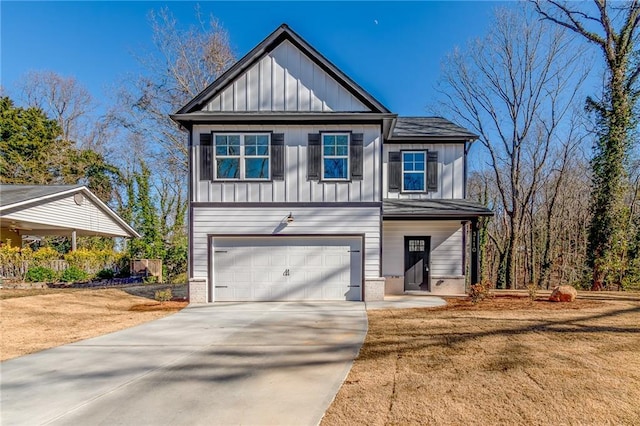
[392, 49]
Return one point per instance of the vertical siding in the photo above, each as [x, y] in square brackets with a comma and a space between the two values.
[285, 80]
[271, 221]
[65, 213]
[450, 171]
[295, 187]
[446, 246]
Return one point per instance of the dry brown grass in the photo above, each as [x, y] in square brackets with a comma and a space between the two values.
[503, 361]
[33, 320]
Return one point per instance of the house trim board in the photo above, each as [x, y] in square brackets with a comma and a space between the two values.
[364, 204]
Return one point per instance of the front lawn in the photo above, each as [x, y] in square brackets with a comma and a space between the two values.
[33, 320]
[503, 361]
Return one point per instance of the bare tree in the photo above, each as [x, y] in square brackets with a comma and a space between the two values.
[61, 98]
[184, 63]
[516, 92]
[614, 28]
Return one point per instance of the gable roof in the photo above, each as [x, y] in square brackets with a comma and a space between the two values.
[15, 198]
[411, 128]
[281, 34]
[14, 195]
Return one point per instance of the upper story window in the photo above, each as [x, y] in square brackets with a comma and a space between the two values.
[335, 156]
[242, 156]
[414, 171]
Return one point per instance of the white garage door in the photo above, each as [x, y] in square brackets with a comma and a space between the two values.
[287, 268]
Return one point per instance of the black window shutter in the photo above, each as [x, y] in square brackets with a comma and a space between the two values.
[357, 156]
[277, 156]
[395, 171]
[314, 157]
[432, 171]
[206, 157]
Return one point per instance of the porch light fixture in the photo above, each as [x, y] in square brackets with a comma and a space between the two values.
[290, 218]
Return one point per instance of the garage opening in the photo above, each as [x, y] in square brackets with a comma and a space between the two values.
[287, 268]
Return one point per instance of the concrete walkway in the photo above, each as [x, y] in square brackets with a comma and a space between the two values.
[222, 364]
[407, 301]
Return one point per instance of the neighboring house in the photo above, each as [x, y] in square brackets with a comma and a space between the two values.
[305, 187]
[67, 210]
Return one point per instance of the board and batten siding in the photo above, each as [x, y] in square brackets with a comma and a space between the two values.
[446, 246]
[450, 171]
[295, 187]
[65, 213]
[285, 80]
[271, 221]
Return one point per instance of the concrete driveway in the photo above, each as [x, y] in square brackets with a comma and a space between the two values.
[227, 364]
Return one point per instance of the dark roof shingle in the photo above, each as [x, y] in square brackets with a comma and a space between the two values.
[440, 209]
[429, 127]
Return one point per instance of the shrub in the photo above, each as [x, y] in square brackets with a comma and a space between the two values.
[164, 295]
[14, 260]
[73, 274]
[151, 279]
[480, 291]
[40, 274]
[179, 279]
[105, 274]
[44, 255]
[91, 260]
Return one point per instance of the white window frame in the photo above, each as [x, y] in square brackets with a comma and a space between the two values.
[348, 156]
[424, 172]
[242, 157]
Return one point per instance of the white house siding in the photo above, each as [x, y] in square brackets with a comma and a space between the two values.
[446, 246]
[295, 187]
[450, 171]
[285, 80]
[65, 213]
[272, 221]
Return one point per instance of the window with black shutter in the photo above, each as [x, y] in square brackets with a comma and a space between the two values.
[206, 154]
[413, 171]
[432, 171]
[395, 171]
[277, 156]
[314, 157]
[356, 152]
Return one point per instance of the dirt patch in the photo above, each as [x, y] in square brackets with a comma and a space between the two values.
[516, 302]
[503, 361]
[159, 306]
[33, 321]
[148, 291]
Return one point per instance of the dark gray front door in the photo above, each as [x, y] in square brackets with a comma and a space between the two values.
[416, 263]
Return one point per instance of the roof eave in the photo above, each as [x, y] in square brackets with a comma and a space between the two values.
[447, 215]
[414, 139]
[202, 117]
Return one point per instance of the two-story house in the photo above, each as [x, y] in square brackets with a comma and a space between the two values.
[305, 187]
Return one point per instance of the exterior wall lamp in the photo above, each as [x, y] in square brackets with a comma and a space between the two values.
[290, 218]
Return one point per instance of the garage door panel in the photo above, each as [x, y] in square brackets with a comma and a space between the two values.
[267, 268]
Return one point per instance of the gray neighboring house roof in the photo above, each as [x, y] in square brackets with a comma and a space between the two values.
[433, 209]
[438, 128]
[15, 194]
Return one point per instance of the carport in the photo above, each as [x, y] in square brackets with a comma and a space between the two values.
[65, 210]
